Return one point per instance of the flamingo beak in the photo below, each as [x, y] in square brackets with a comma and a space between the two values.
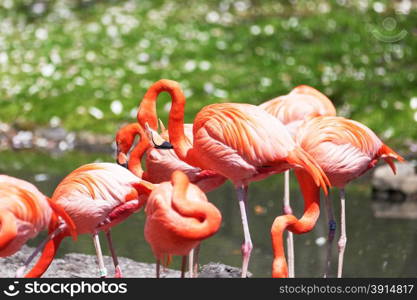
[164, 145]
[157, 141]
[122, 159]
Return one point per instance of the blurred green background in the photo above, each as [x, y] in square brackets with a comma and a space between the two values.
[86, 64]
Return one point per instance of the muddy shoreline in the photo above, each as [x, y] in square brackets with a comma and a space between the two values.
[78, 265]
[54, 139]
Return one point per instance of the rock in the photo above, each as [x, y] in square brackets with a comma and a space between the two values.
[77, 265]
[219, 270]
[54, 139]
[92, 142]
[406, 210]
[409, 185]
[395, 196]
[384, 179]
[405, 180]
[23, 140]
[55, 134]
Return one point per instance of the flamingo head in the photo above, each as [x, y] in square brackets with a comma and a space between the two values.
[125, 138]
[156, 140]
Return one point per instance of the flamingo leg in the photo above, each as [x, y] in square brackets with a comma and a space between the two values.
[330, 237]
[102, 268]
[191, 263]
[20, 272]
[196, 257]
[288, 211]
[117, 269]
[158, 268]
[343, 239]
[247, 245]
[183, 266]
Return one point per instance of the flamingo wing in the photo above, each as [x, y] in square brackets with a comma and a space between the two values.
[24, 213]
[244, 130]
[345, 149]
[339, 131]
[297, 107]
[92, 191]
[322, 98]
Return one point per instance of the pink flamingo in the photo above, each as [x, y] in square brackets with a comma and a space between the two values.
[160, 164]
[302, 103]
[97, 197]
[178, 218]
[232, 139]
[345, 149]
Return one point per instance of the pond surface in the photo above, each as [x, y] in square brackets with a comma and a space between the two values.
[376, 247]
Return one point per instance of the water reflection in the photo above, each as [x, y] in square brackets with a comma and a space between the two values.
[375, 248]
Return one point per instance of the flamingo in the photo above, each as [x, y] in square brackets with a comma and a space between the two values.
[97, 197]
[242, 142]
[160, 164]
[178, 217]
[303, 102]
[24, 212]
[345, 149]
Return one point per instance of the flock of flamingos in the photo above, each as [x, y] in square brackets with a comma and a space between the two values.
[235, 141]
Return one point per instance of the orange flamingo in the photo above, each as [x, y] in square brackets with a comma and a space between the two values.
[97, 197]
[234, 140]
[302, 103]
[178, 217]
[160, 163]
[345, 150]
[24, 212]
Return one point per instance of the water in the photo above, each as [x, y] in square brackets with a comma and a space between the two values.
[376, 247]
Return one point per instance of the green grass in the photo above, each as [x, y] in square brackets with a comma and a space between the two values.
[76, 56]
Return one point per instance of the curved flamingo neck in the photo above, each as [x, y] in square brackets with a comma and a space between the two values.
[147, 114]
[49, 251]
[180, 184]
[279, 265]
[208, 216]
[135, 160]
[129, 133]
[311, 194]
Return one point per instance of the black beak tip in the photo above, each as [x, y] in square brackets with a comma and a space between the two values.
[123, 165]
[164, 145]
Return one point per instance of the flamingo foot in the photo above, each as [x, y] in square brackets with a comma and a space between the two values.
[118, 272]
[246, 252]
[20, 272]
[103, 273]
